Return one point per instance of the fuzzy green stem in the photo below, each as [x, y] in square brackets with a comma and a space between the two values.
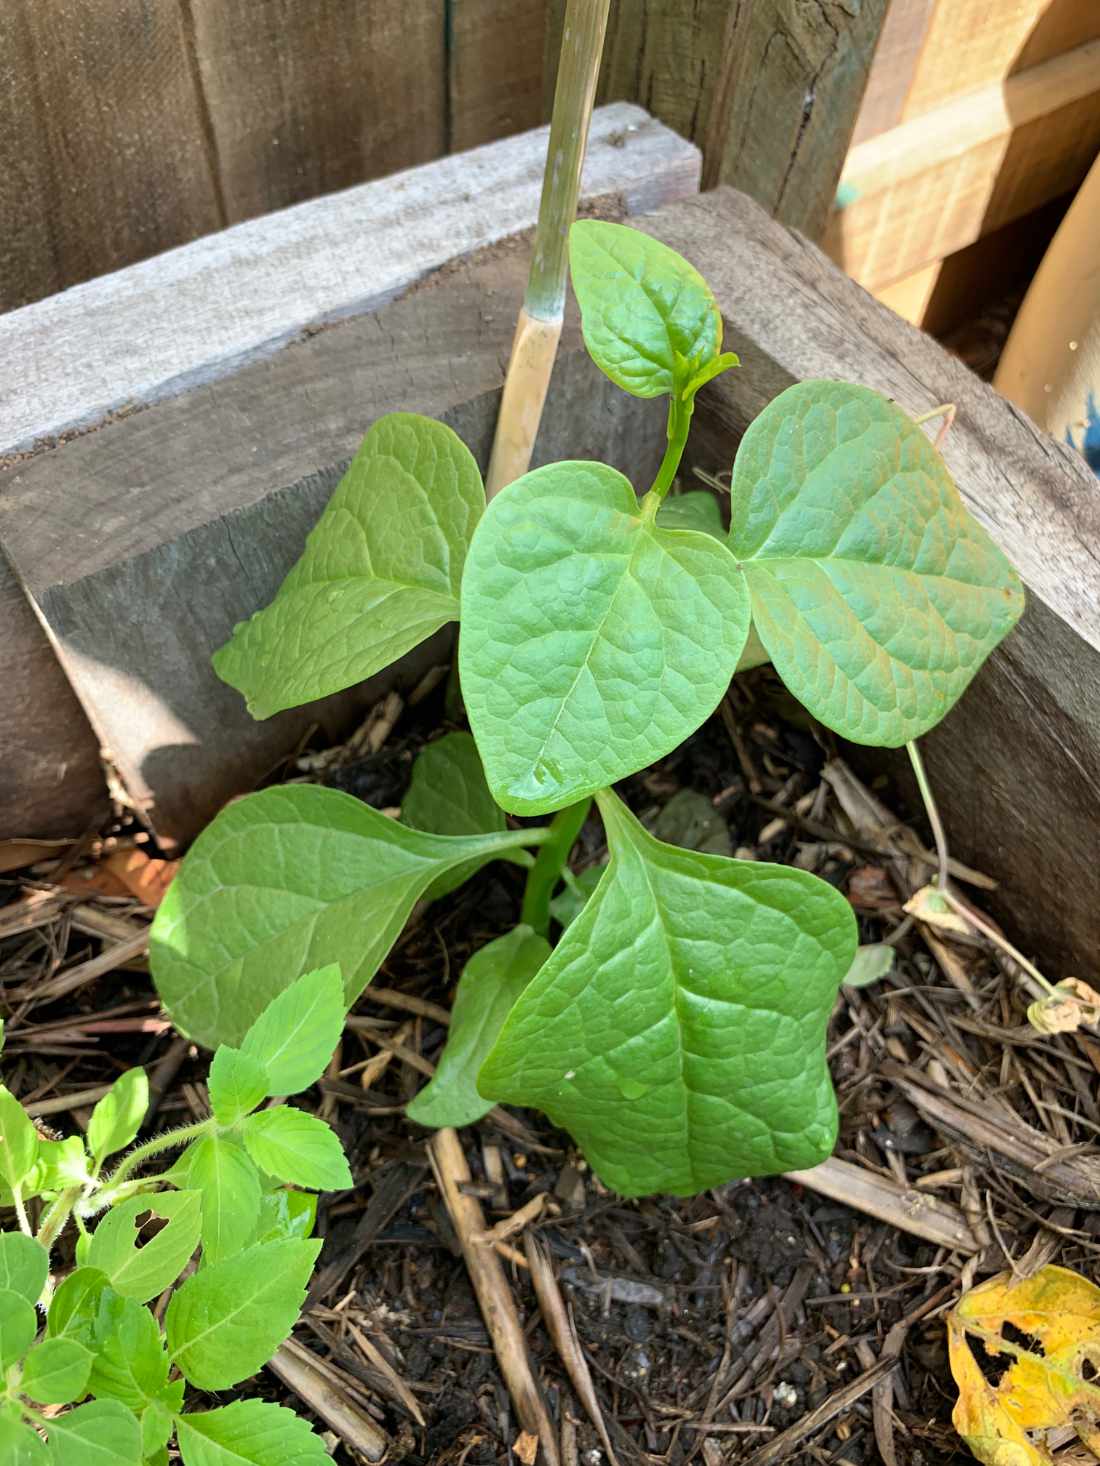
[932, 810]
[56, 1217]
[21, 1211]
[159, 1143]
[549, 864]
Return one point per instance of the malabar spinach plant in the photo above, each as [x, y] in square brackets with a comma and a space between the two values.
[225, 1232]
[677, 1027]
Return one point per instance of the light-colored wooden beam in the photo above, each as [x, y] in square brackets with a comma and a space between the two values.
[935, 184]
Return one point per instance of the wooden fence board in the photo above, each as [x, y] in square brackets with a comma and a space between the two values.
[103, 155]
[304, 99]
[495, 69]
[938, 182]
[1016, 765]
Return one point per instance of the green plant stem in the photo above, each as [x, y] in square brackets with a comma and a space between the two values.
[679, 424]
[21, 1211]
[939, 835]
[549, 864]
[56, 1216]
[160, 1143]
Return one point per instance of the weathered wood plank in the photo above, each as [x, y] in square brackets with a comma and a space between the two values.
[146, 495]
[103, 156]
[1016, 765]
[938, 182]
[495, 69]
[197, 313]
[306, 99]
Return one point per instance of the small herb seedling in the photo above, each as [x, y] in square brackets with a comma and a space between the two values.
[677, 1028]
[222, 1231]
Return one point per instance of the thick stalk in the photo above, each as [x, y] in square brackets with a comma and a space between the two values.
[56, 1217]
[539, 326]
[549, 864]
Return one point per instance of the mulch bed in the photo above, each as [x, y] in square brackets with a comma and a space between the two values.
[760, 1322]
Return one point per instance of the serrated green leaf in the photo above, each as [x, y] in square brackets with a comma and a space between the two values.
[74, 1306]
[18, 1326]
[876, 594]
[131, 1363]
[872, 963]
[649, 319]
[226, 1179]
[571, 900]
[249, 1433]
[20, 1446]
[226, 1321]
[62, 1164]
[158, 1422]
[678, 1030]
[56, 1372]
[117, 1117]
[102, 1433]
[24, 1265]
[293, 1146]
[237, 1082]
[295, 1035]
[18, 1140]
[448, 795]
[380, 572]
[491, 982]
[698, 510]
[593, 641]
[293, 878]
[285, 1214]
[142, 1272]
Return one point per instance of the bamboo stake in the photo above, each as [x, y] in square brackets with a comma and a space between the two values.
[538, 329]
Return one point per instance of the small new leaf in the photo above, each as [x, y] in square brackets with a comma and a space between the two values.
[698, 510]
[295, 1035]
[18, 1140]
[227, 1320]
[56, 1372]
[448, 795]
[75, 1305]
[491, 982]
[24, 1265]
[140, 1272]
[237, 1082]
[296, 1147]
[226, 1180]
[876, 594]
[18, 1325]
[248, 1433]
[593, 641]
[117, 1117]
[649, 319]
[293, 877]
[678, 1029]
[380, 572]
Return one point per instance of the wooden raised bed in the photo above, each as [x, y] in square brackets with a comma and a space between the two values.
[141, 543]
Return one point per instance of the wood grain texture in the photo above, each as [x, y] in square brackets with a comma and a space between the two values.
[304, 99]
[1016, 764]
[103, 155]
[148, 500]
[495, 57]
[936, 183]
[897, 54]
[197, 313]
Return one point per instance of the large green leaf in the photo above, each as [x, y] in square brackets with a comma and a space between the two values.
[220, 1171]
[649, 319]
[139, 1267]
[380, 572]
[491, 982]
[226, 1321]
[102, 1433]
[295, 1035]
[24, 1265]
[448, 795]
[876, 594]
[20, 1446]
[678, 1030]
[593, 641]
[249, 1433]
[287, 880]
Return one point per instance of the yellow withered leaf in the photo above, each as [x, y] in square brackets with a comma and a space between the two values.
[1046, 1328]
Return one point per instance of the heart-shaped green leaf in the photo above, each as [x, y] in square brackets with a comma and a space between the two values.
[491, 982]
[876, 594]
[381, 570]
[593, 641]
[292, 878]
[649, 319]
[678, 1030]
[448, 795]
